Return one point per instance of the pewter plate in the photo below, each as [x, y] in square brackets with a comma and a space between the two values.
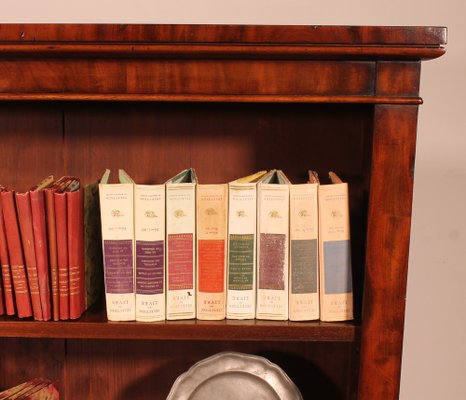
[234, 376]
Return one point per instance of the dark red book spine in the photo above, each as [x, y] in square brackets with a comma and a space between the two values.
[23, 205]
[52, 247]
[76, 252]
[62, 254]
[40, 247]
[6, 271]
[18, 271]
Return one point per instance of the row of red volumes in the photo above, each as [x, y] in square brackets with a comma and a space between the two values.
[34, 389]
[41, 250]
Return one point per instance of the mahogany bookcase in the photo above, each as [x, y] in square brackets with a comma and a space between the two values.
[227, 100]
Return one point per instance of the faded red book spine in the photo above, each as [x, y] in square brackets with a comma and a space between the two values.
[6, 271]
[18, 272]
[23, 204]
[40, 246]
[52, 247]
[62, 254]
[76, 253]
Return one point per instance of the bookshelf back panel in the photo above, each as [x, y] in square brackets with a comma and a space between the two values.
[31, 144]
[147, 370]
[222, 141]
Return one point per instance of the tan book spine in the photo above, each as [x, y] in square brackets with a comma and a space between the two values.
[181, 250]
[273, 204]
[149, 234]
[212, 206]
[304, 260]
[116, 208]
[336, 290]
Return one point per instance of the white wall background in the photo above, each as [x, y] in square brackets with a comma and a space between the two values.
[435, 334]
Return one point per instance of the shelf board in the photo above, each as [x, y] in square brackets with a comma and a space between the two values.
[95, 326]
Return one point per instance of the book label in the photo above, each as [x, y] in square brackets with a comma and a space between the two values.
[118, 266]
[241, 262]
[337, 264]
[272, 261]
[211, 265]
[149, 267]
[180, 261]
[304, 266]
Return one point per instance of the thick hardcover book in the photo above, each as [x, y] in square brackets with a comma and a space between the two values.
[273, 205]
[75, 240]
[336, 290]
[49, 200]
[304, 260]
[6, 270]
[18, 271]
[23, 204]
[117, 219]
[40, 245]
[93, 258]
[181, 249]
[241, 258]
[212, 207]
[61, 227]
[149, 234]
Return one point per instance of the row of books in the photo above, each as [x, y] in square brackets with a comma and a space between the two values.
[34, 389]
[42, 250]
[258, 247]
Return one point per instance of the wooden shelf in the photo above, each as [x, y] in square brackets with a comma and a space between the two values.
[96, 327]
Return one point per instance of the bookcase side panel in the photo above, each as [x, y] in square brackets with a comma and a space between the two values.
[389, 221]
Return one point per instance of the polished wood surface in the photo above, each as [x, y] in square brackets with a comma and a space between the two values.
[267, 34]
[226, 100]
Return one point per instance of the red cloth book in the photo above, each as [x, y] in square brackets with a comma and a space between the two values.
[76, 252]
[62, 253]
[6, 270]
[40, 246]
[18, 271]
[59, 186]
[23, 205]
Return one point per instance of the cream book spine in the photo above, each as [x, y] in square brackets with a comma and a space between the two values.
[181, 248]
[273, 203]
[149, 227]
[336, 290]
[304, 260]
[116, 207]
[212, 206]
[241, 258]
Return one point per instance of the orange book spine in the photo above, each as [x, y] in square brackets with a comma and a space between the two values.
[6, 271]
[62, 253]
[18, 271]
[40, 246]
[76, 253]
[23, 204]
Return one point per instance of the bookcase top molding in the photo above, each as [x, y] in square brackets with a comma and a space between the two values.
[303, 41]
[211, 63]
[297, 34]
